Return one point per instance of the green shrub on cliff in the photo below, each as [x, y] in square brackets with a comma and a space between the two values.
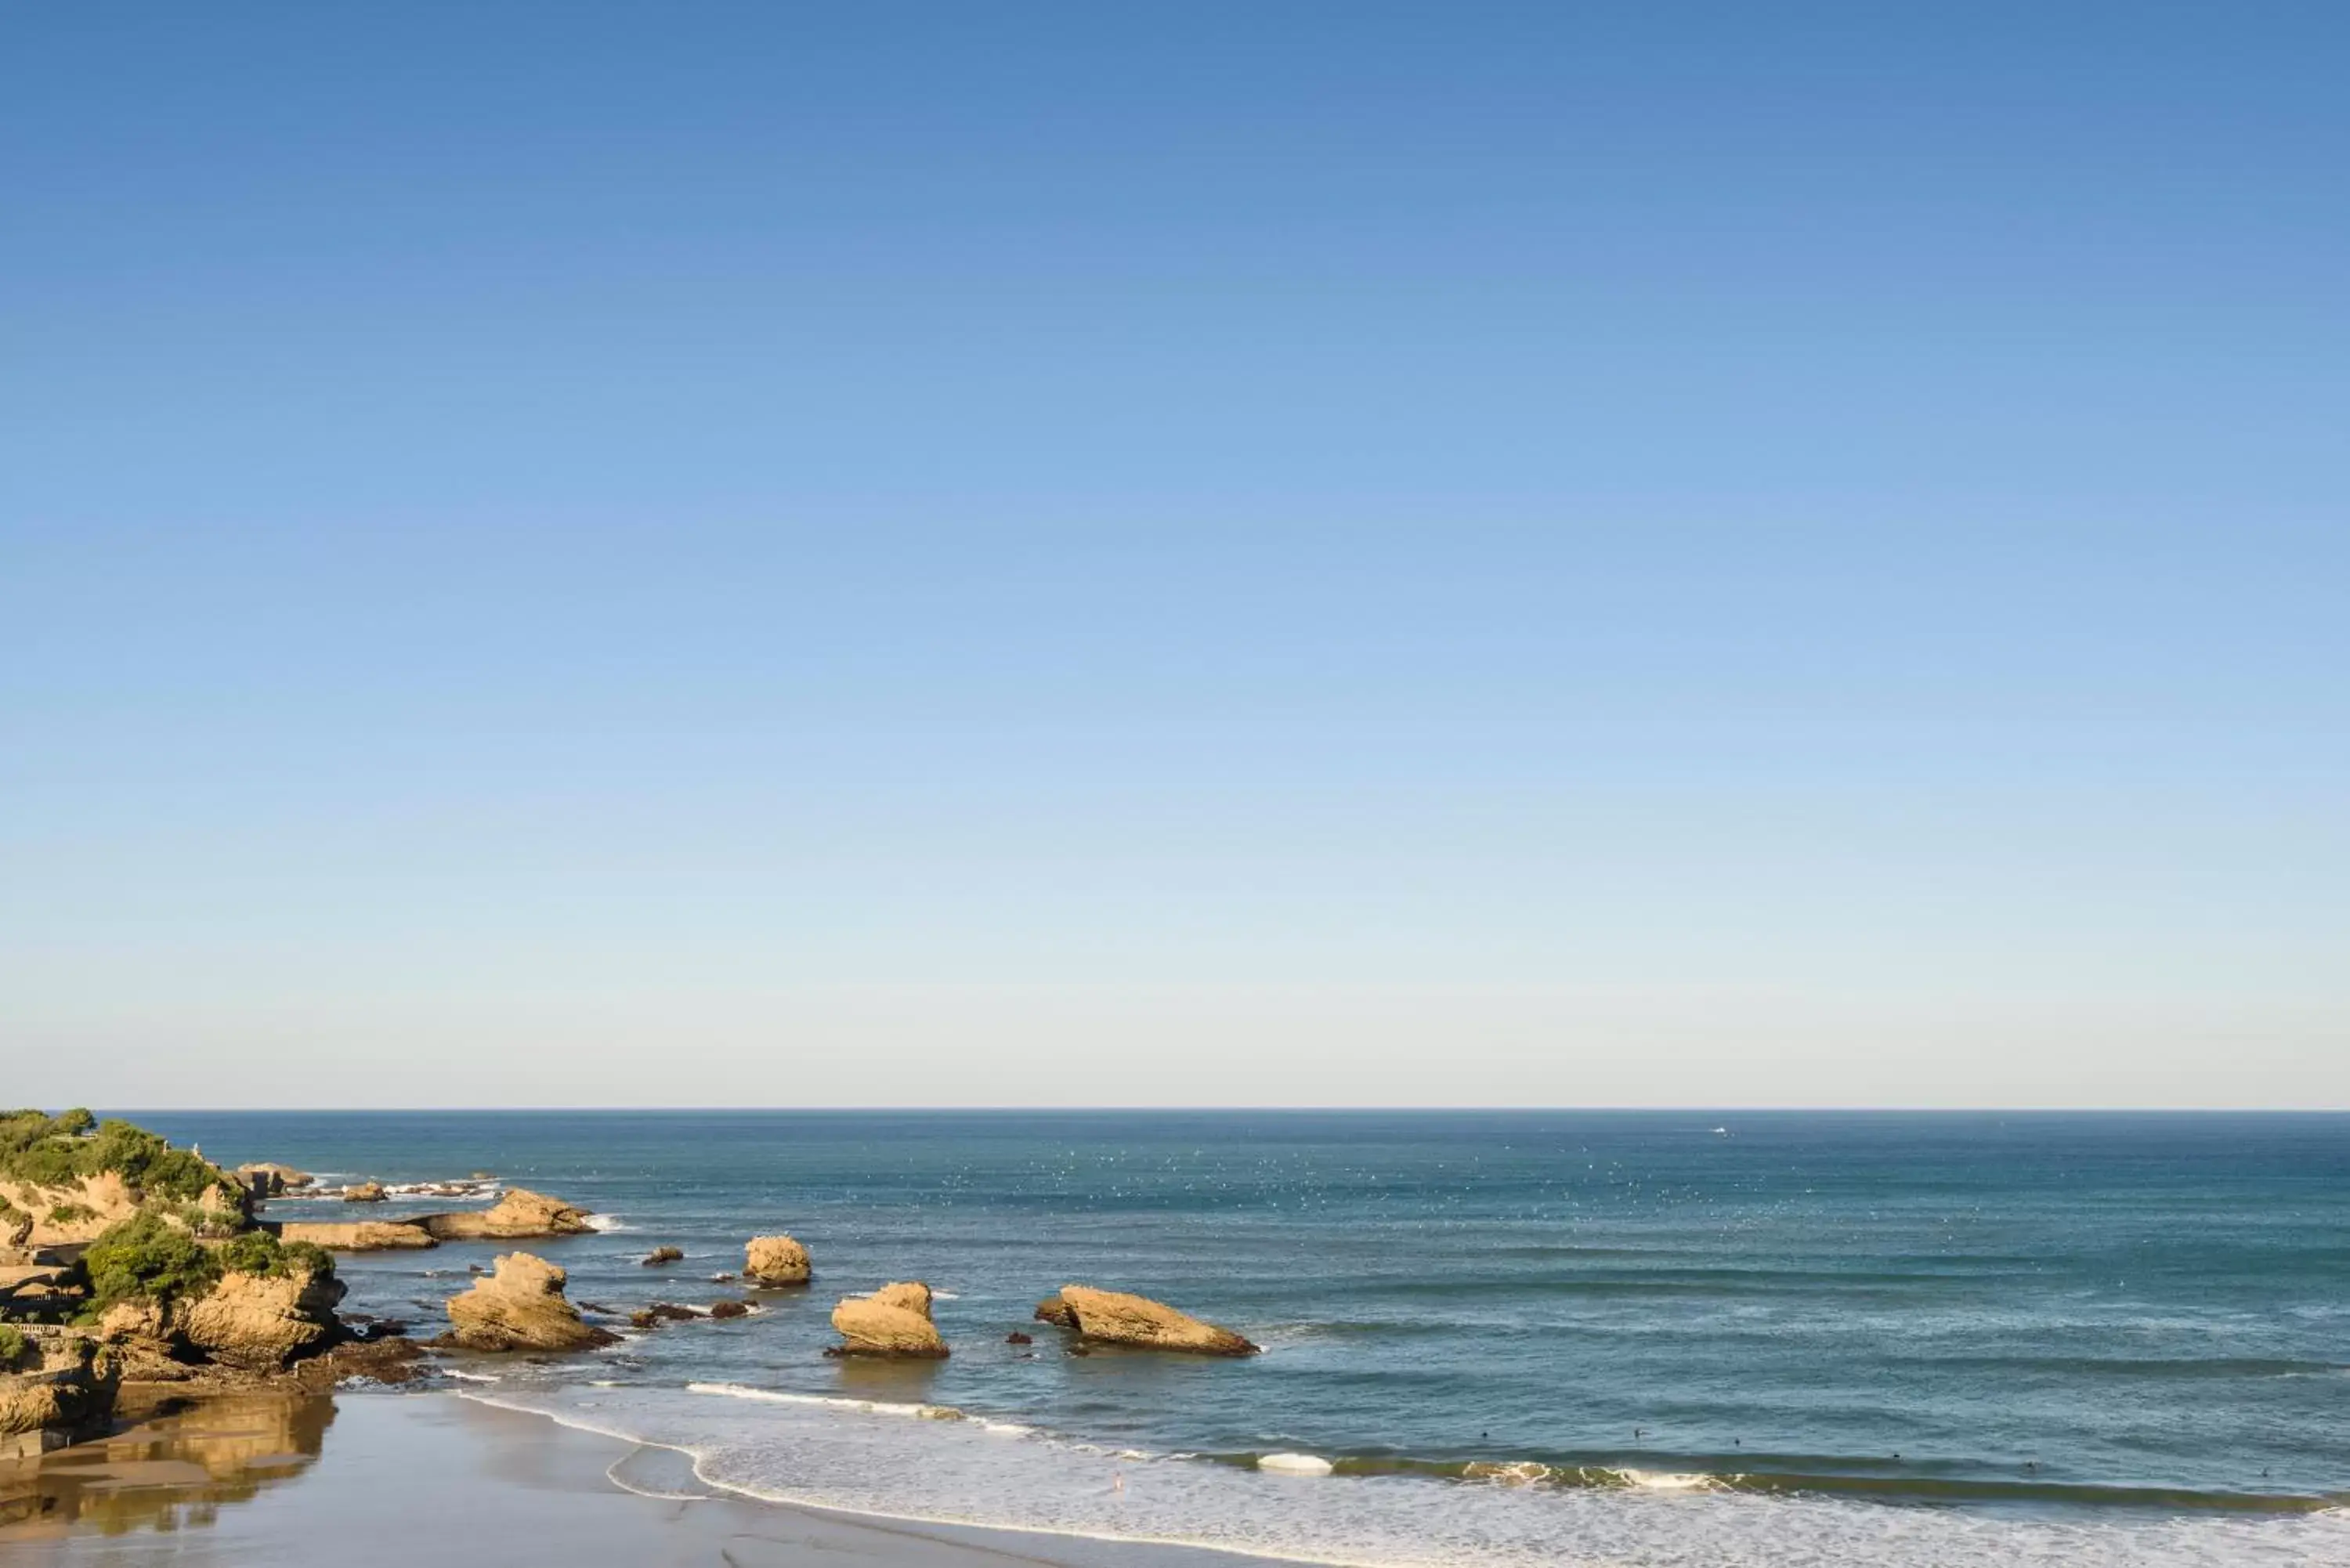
[144, 1160]
[13, 1345]
[211, 1224]
[59, 1151]
[259, 1252]
[146, 1257]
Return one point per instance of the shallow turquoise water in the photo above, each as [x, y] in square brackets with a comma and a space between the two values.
[2116, 1322]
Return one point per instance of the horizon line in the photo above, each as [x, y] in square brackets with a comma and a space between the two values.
[1788, 1109]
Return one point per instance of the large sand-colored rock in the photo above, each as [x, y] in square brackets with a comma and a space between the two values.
[775, 1260]
[912, 1295]
[520, 1216]
[1117, 1318]
[893, 1321]
[521, 1307]
[356, 1235]
[261, 1321]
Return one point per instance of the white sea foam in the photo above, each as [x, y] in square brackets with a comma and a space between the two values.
[814, 1451]
[1295, 1464]
[1673, 1480]
[1005, 1429]
[471, 1376]
[1520, 1472]
[829, 1401]
[608, 1224]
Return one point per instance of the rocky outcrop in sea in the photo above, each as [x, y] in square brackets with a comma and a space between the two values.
[521, 1307]
[772, 1260]
[1115, 1317]
[894, 1321]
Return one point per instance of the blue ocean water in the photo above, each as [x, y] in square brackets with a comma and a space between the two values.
[1547, 1336]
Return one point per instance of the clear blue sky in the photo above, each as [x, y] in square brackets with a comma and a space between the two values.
[1716, 554]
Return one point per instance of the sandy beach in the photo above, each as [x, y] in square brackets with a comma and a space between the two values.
[388, 1480]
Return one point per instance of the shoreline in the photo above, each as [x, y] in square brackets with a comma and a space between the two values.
[393, 1478]
[1359, 1440]
[262, 1478]
[994, 1538]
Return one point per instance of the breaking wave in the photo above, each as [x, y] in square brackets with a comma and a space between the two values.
[938, 1465]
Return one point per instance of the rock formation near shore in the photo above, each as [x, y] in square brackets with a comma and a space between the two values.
[912, 1295]
[262, 1321]
[176, 1288]
[775, 1260]
[1117, 1318]
[356, 1235]
[520, 1216]
[268, 1179]
[245, 1321]
[521, 1307]
[894, 1321]
[364, 1193]
[55, 1389]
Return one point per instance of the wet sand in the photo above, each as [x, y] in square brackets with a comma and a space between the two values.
[391, 1480]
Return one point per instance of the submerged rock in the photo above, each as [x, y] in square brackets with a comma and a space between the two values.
[377, 1358]
[519, 1216]
[660, 1255]
[894, 1321]
[521, 1307]
[1116, 1318]
[775, 1260]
